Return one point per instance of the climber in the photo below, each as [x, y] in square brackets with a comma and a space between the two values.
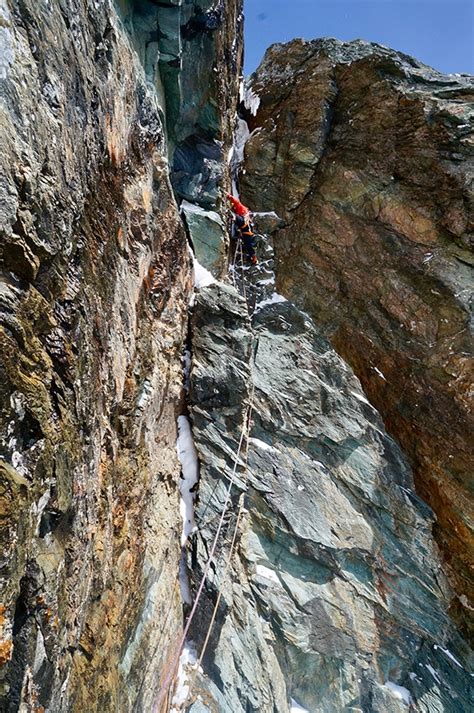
[246, 234]
[238, 207]
[243, 227]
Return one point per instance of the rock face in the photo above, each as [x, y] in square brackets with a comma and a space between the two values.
[335, 593]
[192, 53]
[95, 283]
[366, 155]
[331, 587]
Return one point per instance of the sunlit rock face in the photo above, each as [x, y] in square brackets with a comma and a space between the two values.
[334, 594]
[95, 283]
[366, 155]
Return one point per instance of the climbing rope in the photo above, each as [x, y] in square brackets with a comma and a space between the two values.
[231, 552]
[228, 560]
[164, 691]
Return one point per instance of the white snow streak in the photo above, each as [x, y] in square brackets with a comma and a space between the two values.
[433, 673]
[296, 708]
[188, 458]
[377, 371]
[449, 655]
[360, 397]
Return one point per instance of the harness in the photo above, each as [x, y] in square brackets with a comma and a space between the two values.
[245, 229]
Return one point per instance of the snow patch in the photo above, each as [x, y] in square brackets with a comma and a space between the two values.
[188, 458]
[261, 444]
[274, 299]
[267, 573]
[377, 371]
[296, 708]
[187, 660]
[202, 277]
[403, 694]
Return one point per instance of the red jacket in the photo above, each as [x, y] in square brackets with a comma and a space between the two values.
[238, 207]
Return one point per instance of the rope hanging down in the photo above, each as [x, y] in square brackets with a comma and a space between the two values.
[175, 661]
[246, 425]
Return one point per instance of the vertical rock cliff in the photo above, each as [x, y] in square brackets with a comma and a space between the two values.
[309, 575]
[326, 586]
[95, 284]
[366, 156]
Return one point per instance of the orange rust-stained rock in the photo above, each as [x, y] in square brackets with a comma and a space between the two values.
[5, 651]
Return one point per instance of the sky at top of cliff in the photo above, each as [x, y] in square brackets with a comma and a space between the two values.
[439, 33]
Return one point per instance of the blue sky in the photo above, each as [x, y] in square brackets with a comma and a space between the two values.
[437, 32]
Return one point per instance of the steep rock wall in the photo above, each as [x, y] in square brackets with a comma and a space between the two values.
[366, 156]
[333, 594]
[95, 283]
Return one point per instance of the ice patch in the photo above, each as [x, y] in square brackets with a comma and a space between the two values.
[188, 458]
[184, 585]
[403, 694]
[241, 135]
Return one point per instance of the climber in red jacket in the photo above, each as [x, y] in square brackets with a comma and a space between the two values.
[243, 227]
[238, 207]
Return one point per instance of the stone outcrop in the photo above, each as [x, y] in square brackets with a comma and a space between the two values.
[366, 155]
[95, 284]
[335, 593]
